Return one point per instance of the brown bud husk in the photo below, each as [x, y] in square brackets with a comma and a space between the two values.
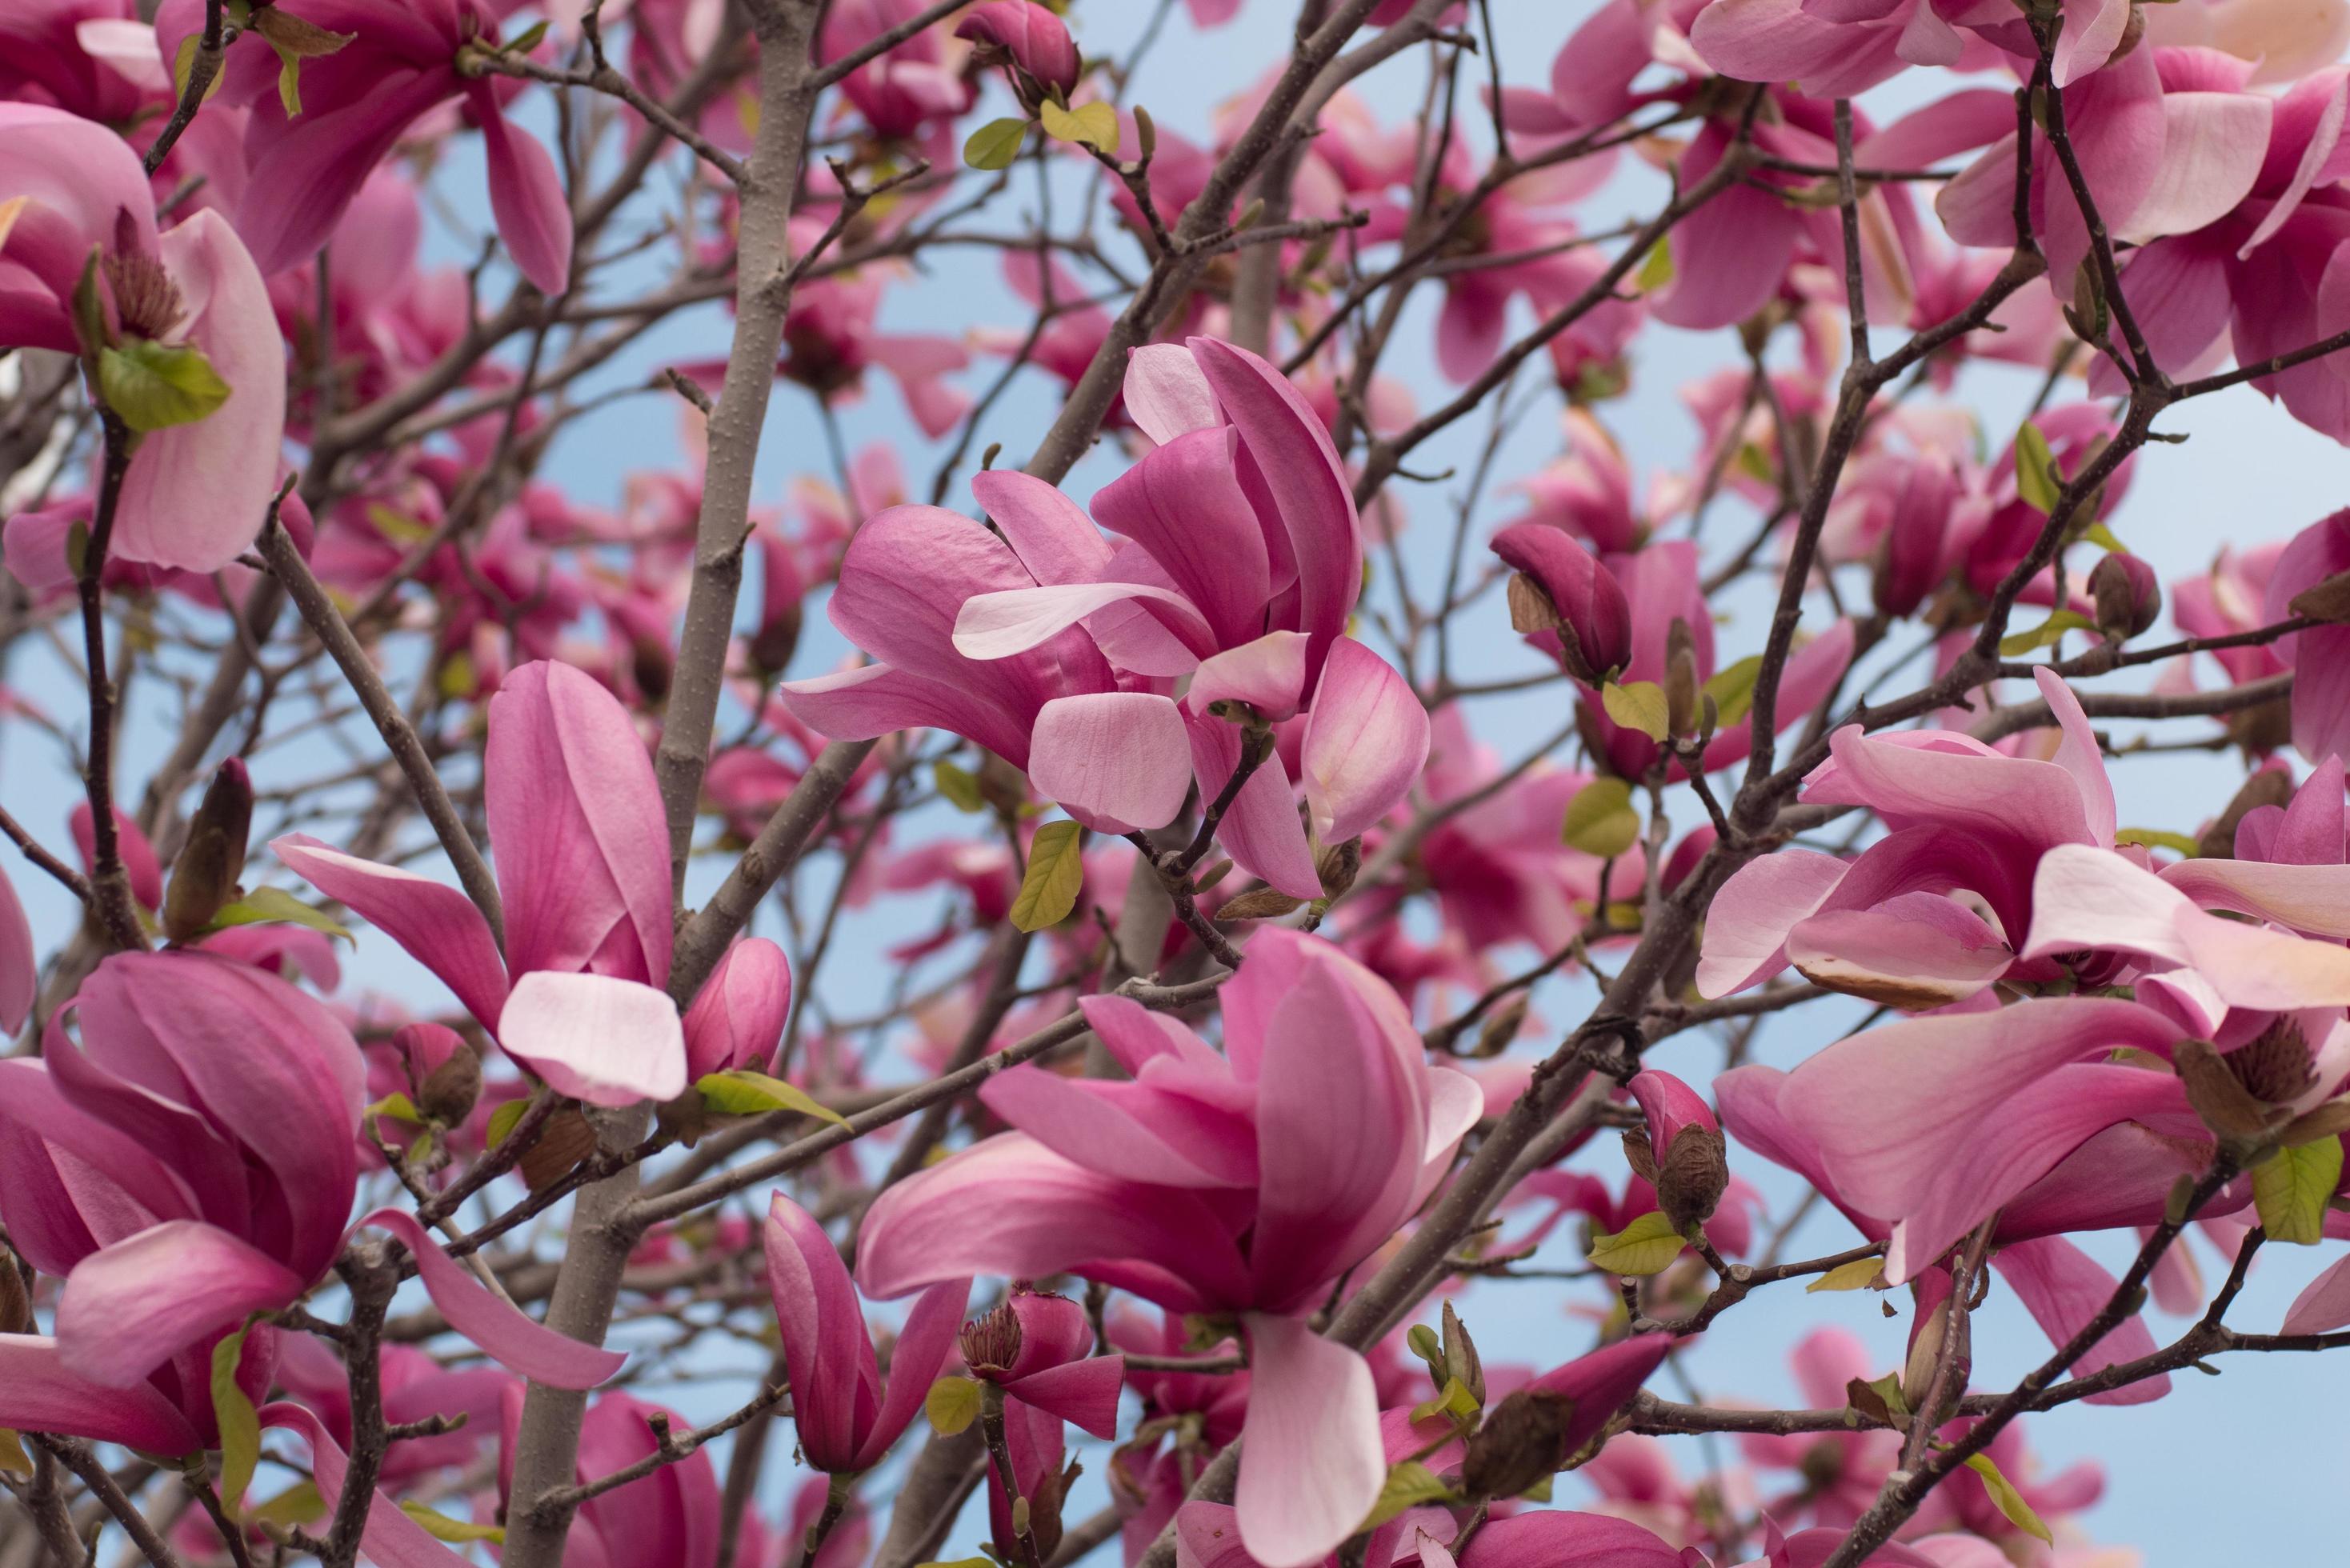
[1258, 904]
[1460, 1357]
[1691, 1176]
[204, 876]
[448, 1092]
[15, 1300]
[1337, 865]
[1682, 684]
[1518, 1445]
[1501, 1027]
[563, 1142]
[1639, 1156]
[2217, 1095]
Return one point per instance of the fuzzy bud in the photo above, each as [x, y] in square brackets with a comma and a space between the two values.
[737, 1021]
[2127, 595]
[206, 875]
[1518, 1446]
[1686, 1154]
[1682, 684]
[1588, 612]
[446, 1073]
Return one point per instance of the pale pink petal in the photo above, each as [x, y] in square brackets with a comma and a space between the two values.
[2078, 754]
[1268, 674]
[604, 1040]
[877, 698]
[2095, 900]
[1116, 760]
[1366, 741]
[1747, 924]
[1015, 620]
[2063, 1289]
[2083, 48]
[1914, 953]
[2213, 146]
[2311, 899]
[1312, 1463]
[127, 1309]
[1166, 395]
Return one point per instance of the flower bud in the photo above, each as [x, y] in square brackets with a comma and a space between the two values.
[1586, 607]
[737, 1021]
[1682, 682]
[446, 1073]
[1687, 1155]
[15, 1298]
[1029, 38]
[206, 875]
[2127, 595]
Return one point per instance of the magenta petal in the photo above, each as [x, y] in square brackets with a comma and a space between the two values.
[1053, 538]
[525, 195]
[38, 1395]
[921, 1350]
[1601, 1382]
[435, 923]
[2063, 1289]
[498, 1327]
[390, 1538]
[1556, 1538]
[823, 1329]
[605, 1040]
[1366, 741]
[1107, 1128]
[126, 1309]
[20, 969]
[1116, 760]
[875, 698]
[1311, 1460]
[195, 494]
[1184, 504]
[1261, 831]
[1083, 1393]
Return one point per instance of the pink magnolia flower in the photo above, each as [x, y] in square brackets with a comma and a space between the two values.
[1035, 40]
[582, 854]
[129, 1164]
[847, 1419]
[1590, 602]
[1038, 1348]
[71, 190]
[738, 1019]
[1209, 1536]
[90, 57]
[405, 58]
[909, 88]
[1237, 1183]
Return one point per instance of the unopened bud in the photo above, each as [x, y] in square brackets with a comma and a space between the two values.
[1146, 134]
[448, 1092]
[1461, 1358]
[206, 875]
[1337, 866]
[651, 664]
[1501, 1027]
[15, 1300]
[1517, 1445]
[2127, 595]
[1680, 679]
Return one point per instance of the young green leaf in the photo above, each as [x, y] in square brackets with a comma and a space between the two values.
[1861, 1273]
[503, 1120]
[1655, 268]
[1732, 689]
[959, 788]
[994, 145]
[240, 1426]
[277, 907]
[2290, 1189]
[1408, 1485]
[1601, 819]
[153, 386]
[2037, 480]
[457, 1531]
[1056, 872]
[12, 1458]
[1093, 125]
[399, 1107]
[1640, 706]
[1646, 1246]
[2007, 1499]
[952, 1404]
[2047, 634]
[1455, 1402]
[744, 1093]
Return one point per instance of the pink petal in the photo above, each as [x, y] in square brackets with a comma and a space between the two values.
[1183, 503]
[1777, 41]
[195, 493]
[1556, 1538]
[38, 1395]
[20, 971]
[390, 1538]
[1084, 1393]
[1914, 953]
[877, 698]
[1366, 741]
[1268, 674]
[1017, 620]
[1053, 538]
[126, 1309]
[1116, 760]
[2213, 146]
[498, 1327]
[1112, 1128]
[1166, 395]
[1312, 1464]
[921, 1350]
[525, 196]
[1261, 831]
[2095, 900]
[822, 1328]
[738, 1019]
[2082, 50]
[2324, 1304]
[2063, 1289]
[436, 924]
[1602, 1382]
[2311, 899]
[1747, 924]
[602, 1039]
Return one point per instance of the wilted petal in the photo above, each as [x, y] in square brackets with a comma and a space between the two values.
[604, 1040]
[1311, 1462]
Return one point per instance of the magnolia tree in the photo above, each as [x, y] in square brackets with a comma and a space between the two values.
[1061, 1064]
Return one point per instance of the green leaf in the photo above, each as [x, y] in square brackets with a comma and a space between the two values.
[995, 144]
[398, 1106]
[1640, 706]
[1755, 463]
[240, 1427]
[2097, 533]
[277, 907]
[2037, 480]
[504, 1119]
[297, 1504]
[1056, 872]
[1646, 1246]
[12, 1458]
[1601, 819]
[1408, 1485]
[1859, 1275]
[1455, 1402]
[1655, 268]
[2157, 838]
[2291, 1186]
[742, 1091]
[960, 786]
[441, 1527]
[2047, 634]
[153, 386]
[952, 1404]
[1095, 125]
[526, 40]
[2007, 1499]
[1732, 689]
[289, 79]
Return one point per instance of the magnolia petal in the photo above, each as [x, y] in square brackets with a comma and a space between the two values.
[20, 970]
[2063, 1290]
[1914, 953]
[1747, 924]
[437, 925]
[390, 1538]
[1015, 620]
[2324, 1304]
[539, 1353]
[127, 1309]
[1268, 674]
[1312, 1463]
[602, 1039]
[1261, 830]
[525, 196]
[1366, 741]
[1166, 395]
[1083, 1393]
[38, 1394]
[1116, 760]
